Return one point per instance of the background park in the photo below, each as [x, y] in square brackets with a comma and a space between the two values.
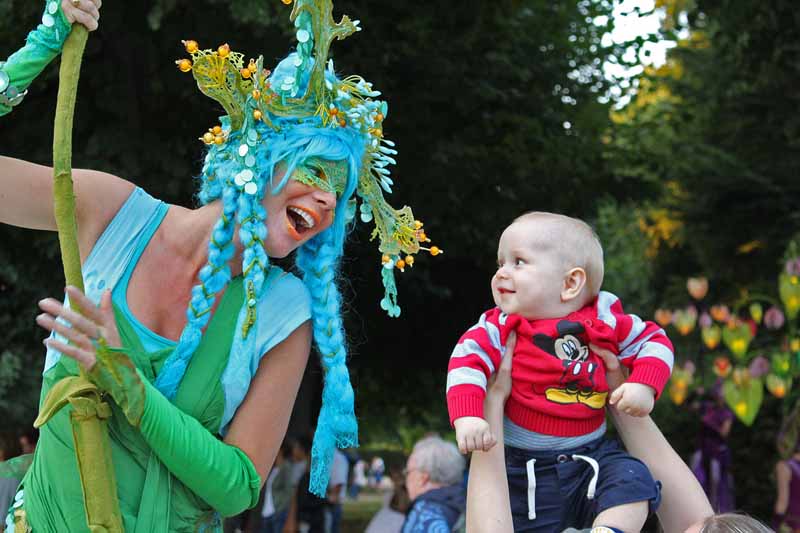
[672, 127]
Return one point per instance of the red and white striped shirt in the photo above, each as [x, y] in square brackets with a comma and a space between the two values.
[558, 385]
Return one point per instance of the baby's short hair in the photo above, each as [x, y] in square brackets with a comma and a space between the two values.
[576, 242]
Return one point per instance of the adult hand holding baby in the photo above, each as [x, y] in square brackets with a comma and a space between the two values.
[635, 399]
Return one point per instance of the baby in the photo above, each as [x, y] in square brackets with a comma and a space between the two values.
[562, 471]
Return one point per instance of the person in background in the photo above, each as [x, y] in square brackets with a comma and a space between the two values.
[359, 478]
[434, 474]
[277, 494]
[28, 440]
[787, 502]
[711, 463]
[390, 517]
[376, 470]
[8, 485]
[337, 488]
[309, 509]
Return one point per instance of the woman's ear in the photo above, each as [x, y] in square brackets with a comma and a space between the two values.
[574, 283]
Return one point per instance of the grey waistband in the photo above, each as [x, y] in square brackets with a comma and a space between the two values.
[519, 437]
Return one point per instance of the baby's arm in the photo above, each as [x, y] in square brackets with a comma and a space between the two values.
[473, 433]
[644, 348]
[472, 363]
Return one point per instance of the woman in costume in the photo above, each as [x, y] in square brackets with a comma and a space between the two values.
[196, 340]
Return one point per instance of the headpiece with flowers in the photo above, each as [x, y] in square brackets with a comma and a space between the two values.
[251, 95]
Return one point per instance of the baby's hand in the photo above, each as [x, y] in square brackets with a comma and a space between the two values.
[473, 433]
[635, 399]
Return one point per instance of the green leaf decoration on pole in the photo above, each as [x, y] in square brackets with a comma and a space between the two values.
[90, 414]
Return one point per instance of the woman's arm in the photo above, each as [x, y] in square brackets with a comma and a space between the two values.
[226, 475]
[783, 476]
[26, 199]
[683, 501]
[488, 502]
[260, 423]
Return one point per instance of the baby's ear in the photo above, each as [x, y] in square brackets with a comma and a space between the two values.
[574, 283]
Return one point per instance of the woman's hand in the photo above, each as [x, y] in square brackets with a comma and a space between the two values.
[86, 12]
[82, 331]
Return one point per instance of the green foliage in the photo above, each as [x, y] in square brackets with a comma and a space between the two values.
[628, 269]
[495, 108]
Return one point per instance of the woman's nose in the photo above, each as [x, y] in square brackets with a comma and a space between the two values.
[324, 199]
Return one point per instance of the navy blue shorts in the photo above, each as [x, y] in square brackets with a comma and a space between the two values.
[563, 483]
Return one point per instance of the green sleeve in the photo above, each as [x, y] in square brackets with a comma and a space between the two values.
[42, 46]
[221, 474]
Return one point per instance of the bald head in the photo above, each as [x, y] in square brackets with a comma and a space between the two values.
[572, 240]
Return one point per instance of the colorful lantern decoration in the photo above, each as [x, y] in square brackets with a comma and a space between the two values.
[781, 363]
[743, 394]
[737, 336]
[684, 320]
[697, 287]
[720, 313]
[789, 291]
[711, 336]
[722, 366]
[758, 366]
[778, 386]
[774, 318]
[682, 378]
[663, 317]
[730, 334]
[756, 312]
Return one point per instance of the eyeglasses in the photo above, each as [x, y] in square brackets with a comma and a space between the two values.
[407, 471]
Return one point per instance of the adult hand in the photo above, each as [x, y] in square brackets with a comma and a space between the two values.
[616, 374]
[499, 386]
[86, 12]
[82, 331]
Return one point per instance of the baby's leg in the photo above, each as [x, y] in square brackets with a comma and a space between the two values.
[628, 517]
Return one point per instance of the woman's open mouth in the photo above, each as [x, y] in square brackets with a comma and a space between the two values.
[300, 221]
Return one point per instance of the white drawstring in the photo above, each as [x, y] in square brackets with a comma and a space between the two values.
[596, 468]
[531, 489]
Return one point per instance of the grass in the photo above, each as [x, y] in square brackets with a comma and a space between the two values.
[357, 514]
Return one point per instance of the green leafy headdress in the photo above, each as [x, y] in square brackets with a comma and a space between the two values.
[249, 96]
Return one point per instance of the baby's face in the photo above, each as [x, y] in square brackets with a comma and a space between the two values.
[530, 272]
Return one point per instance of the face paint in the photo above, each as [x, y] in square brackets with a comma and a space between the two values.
[324, 174]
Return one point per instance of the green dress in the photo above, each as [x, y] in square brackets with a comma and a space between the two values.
[152, 500]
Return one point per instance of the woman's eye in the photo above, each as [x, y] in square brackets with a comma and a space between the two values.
[318, 172]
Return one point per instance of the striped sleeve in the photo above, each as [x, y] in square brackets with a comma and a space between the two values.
[643, 345]
[473, 361]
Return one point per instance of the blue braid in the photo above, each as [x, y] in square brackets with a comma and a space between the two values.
[214, 276]
[319, 261]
